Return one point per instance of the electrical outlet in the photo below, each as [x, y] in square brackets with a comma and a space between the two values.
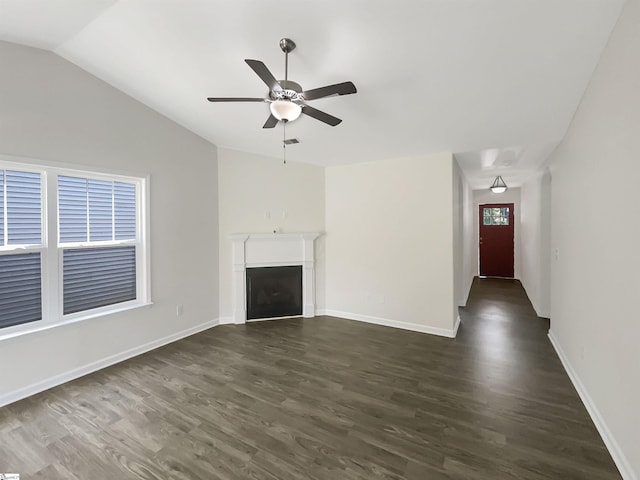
[179, 310]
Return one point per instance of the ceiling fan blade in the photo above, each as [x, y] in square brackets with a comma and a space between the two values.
[271, 122]
[320, 115]
[264, 73]
[236, 99]
[344, 88]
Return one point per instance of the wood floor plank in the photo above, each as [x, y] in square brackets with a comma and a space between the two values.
[322, 399]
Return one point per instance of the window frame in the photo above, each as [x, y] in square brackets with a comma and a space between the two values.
[41, 248]
[51, 249]
[24, 248]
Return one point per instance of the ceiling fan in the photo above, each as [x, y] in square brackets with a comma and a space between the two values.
[286, 98]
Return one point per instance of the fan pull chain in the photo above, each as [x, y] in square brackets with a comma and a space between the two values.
[284, 144]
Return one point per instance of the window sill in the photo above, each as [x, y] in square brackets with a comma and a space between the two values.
[30, 328]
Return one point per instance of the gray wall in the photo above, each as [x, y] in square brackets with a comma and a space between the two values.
[53, 113]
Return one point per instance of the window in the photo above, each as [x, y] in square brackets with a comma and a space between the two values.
[495, 216]
[20, 247]
[71, 245]
[97, 229]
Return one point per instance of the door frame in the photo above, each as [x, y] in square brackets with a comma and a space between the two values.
[514, 239]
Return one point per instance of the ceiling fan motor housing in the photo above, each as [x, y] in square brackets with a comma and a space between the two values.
[290, 91]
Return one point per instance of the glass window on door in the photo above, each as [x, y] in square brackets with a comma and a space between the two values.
[495, 216]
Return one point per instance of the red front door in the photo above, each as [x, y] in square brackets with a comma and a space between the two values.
[496, 240]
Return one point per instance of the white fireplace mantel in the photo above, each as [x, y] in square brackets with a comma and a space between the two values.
[251, 250]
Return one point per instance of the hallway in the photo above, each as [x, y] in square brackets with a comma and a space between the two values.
[324, 399]
[522, 389]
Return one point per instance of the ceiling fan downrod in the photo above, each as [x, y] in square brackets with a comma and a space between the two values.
[287, 45]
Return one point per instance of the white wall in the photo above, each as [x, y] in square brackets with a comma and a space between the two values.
[465, 252]
[535, 239]
[512, 195]
[596, 231]
[53, 112]
[260, 194]
[390, 243]
[470, 264]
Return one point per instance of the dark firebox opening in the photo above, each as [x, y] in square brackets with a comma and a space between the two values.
[274, 292]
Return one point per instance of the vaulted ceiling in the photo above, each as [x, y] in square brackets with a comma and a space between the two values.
[494, 81]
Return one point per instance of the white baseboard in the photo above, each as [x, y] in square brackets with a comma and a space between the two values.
[24, 392]
[543, 313]
[456, 327]
[607, 437]
[414, 327]
[268, 319]
[467, 290]
[10, 397]
[226, 321]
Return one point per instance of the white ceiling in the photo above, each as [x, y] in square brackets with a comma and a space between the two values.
[494, 81]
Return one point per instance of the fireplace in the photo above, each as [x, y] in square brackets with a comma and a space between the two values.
[274, 292]
[258, 254]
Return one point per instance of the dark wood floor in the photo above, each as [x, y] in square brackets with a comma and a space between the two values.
[322, 398]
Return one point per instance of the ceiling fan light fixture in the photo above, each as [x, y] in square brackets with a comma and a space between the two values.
[285, 110]
[498, 185]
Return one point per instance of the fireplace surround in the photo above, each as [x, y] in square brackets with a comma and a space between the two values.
[255, 250]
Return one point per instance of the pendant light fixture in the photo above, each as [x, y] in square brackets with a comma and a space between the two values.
[498, 185]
